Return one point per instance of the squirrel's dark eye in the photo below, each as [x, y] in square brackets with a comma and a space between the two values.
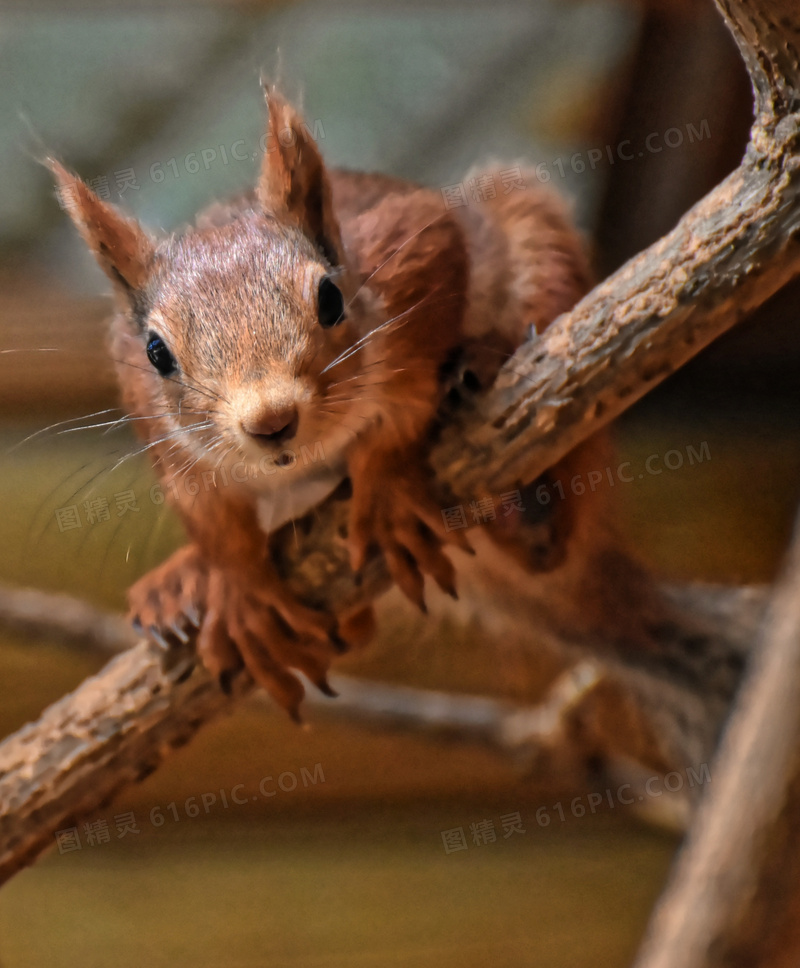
[330, 303]
[160, 356]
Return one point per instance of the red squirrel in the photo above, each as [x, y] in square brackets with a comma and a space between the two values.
[320, 310]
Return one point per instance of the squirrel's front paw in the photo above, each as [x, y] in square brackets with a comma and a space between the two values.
[392, 510]
[171, 598]
[259, 624]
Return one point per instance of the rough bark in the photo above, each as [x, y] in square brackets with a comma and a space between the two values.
[725, 257]
[734, 897]
[119, 725]
[113, 730]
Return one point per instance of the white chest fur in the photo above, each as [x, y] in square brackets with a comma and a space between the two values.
[295, 492]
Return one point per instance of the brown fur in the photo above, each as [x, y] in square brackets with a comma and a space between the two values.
[234, 300]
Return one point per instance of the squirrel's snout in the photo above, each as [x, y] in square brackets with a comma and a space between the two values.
[272, 426]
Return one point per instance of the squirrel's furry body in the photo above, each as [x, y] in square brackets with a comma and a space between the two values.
[241, 305]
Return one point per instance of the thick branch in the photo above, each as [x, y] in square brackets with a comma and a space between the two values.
[726, 257]
[118, 726]
[734, 898]
[61, 618]
[113, 730]
[768, 37]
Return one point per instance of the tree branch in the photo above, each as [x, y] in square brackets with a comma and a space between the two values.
[113, 730]
[726, 256]
[63, 619]
[117, 726]
[734, 897]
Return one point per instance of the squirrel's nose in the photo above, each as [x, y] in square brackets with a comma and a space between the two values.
[272, 426]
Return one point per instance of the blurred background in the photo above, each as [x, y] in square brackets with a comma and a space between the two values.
[632, 109]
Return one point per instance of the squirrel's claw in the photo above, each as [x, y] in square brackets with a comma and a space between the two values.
[242, 621]
[158, 638]
[326, 688]
[246, 625]
[193, 615]
[405, 524]
[406, 574]
[164, 601]
[179, 632]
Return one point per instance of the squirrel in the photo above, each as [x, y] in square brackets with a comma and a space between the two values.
[325, 310]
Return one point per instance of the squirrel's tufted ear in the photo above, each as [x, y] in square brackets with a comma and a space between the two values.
[120, 245]
[293, 181]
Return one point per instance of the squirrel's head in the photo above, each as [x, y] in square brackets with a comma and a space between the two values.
[239, 335]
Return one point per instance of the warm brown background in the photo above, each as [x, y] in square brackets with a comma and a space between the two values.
[352, 871]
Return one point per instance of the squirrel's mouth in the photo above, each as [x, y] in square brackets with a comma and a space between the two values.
[277, 458]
